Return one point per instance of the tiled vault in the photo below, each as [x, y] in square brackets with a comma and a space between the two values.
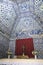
[21, 19]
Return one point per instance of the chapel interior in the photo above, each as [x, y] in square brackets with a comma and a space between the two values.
[21, 29]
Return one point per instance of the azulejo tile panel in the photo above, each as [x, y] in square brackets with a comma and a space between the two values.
[7, 13]
[24, 6]
[27, 26]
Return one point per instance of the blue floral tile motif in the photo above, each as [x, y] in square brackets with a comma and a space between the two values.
[19, 34]
[24, 6]
[36, 31]
[39, 31]
[32, 32]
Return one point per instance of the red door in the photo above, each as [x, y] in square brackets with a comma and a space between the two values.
[28, 44]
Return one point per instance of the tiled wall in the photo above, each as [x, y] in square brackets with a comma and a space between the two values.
[4, 44]
[7, 13]
[20, 19]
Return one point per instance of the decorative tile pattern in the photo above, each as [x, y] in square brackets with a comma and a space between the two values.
[7, 13]
[24, 6]
[26, 24]
[38, 3]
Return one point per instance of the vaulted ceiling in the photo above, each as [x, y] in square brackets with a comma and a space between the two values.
[20, 19]
[13, 12]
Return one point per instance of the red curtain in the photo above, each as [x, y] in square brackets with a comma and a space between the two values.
[29, 47]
